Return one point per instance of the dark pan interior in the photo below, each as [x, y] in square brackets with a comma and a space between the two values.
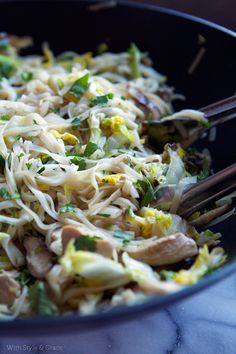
[172, 41]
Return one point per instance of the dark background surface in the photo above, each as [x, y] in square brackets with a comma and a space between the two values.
[222, 12]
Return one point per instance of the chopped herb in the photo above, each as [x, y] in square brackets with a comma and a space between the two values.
[28, 165]
[104, 215]
[205, 123]
[7, 66]
[26, 76]
[80, 86]
[39, 301]
[5, 117]
[25, 278]
[134, 57]
[60, 83]
[90, 149]
[67, 208]
[15, 196]
[123, 98]
[17, 137]
[85, 243]
[2, 161]
[35, 123]
[147, 190]
[75, 122]
[7, 196]
[41, 170]
[122, 235]
[20, 155]
[203, 174]
[101, 99]
[79, 161]
[54, 110]
[167, 274]
[130, 211]
[45, 159]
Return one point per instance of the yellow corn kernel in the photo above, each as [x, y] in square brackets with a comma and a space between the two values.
[55, 133]
[110, 179]
[145, 230]
[70, 139]
[113, 123]
[150, 212]
[185, 277]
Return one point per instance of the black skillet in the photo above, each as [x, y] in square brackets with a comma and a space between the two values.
[173, 40]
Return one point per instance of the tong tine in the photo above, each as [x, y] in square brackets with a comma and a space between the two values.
[220, 111]
[208, 191]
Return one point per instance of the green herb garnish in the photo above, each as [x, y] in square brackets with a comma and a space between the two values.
[2, 162]
[79, 161]
[25, 278]
[167, 274]
[122, 235]
[7, 196]
[75, 122]
[41, 170]
[99, 100]
[85, 243]
[7, 66]
[147, 190]
[26, 76]
[90, 149]
[5, 118]
[67, 208]
[28, 165]
[39, 301]
[80, 86]
[134, 57]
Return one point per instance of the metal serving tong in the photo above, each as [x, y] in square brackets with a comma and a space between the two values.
[186, 130]
[202, 194]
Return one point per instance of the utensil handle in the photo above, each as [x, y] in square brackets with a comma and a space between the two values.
[207, 191]
[220, 111]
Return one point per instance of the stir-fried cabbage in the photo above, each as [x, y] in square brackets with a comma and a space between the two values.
[84, 218]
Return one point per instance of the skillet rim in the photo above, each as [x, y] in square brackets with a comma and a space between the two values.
[67, 323]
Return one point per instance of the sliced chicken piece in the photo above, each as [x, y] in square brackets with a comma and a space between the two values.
[103, 247]
[165, 250]
[39, 258]
[209, 216]
[9, 289]
[162, 287]
[57, 280]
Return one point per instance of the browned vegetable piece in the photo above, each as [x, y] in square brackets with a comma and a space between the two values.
[103, 247]
[9, 289]
[39, 258]
[144, 101]
[165, 250]
[17, 42]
